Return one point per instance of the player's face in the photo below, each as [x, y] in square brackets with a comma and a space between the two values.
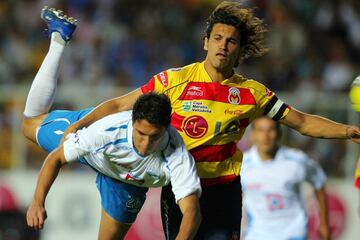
[264, 135]
[146, 136]
[223, 47]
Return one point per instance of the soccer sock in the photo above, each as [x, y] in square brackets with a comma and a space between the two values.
[43, 88]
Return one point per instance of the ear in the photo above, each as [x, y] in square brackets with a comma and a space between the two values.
[206, 40]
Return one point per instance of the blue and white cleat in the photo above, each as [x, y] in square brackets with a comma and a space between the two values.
[58, 22]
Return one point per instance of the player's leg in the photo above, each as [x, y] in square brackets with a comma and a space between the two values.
[171, 215]
[110, 228]
[221, 210]
[121, 203]
[42, 91]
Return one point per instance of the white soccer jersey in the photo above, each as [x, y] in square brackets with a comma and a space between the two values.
[107, 146]
[272, 200]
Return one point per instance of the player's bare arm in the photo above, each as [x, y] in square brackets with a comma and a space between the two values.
[113, 105]
[191, 219]
[36, 213]
[320, 127]
[324, 228]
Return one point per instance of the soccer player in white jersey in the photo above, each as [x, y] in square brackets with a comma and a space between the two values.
[271, 176]
[131, 151]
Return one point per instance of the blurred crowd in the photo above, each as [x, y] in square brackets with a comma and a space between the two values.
[315, 44]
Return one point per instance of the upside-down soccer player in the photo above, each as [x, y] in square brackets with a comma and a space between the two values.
[212, 106]
[131, 150]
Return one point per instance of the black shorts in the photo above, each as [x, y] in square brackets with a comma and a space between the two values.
[220, 208]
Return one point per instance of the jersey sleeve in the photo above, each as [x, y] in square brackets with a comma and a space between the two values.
[314, 173]
[85, 141]
[268, 104]
[181, 164]
[75, 147]
[164, 81]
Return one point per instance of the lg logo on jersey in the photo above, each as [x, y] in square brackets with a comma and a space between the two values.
[195, 126]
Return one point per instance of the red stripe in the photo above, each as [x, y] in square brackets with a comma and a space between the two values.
[216, 153]
[217, 92]
[357, 183]
[149, 87]
[176, 121]
[205, 182]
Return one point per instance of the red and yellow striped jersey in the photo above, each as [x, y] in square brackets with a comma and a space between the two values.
[212, 116]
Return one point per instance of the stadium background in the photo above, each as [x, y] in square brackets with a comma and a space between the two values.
[119, 45]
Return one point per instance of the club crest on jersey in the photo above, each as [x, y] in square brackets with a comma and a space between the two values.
[163, 78]
[195, 126]
[234, 96]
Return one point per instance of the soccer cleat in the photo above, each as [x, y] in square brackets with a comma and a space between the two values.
[58, 22]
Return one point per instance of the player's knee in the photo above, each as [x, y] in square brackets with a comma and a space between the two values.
[29, 126]
[25, 127]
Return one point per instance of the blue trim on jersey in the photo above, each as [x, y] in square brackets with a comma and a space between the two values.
[114, 128]
[122, 201]
[117, 141]
[54, 125]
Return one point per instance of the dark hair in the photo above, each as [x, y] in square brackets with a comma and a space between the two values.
[154, 108]
[251, 29]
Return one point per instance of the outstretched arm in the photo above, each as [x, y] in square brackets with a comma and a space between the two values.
[316, 126]
[324, 228]
[111, 106]
[191, 219]
[36, 213]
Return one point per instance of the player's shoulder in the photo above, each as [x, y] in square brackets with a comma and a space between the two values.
[249, 83]
[292, 154]
[184, 71]
[119, 119]
[249, 156]
[175, 76]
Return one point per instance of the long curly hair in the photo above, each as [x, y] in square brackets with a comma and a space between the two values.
[251, 29]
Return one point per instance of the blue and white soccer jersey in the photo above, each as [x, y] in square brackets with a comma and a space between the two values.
[271, 193]
[107, 146]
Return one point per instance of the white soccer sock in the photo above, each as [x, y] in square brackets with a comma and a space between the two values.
[43, 88]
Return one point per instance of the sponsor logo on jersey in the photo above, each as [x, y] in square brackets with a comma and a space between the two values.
[163, 78]
[234, 95]
[187, 106]
[274, 201]
[195, 91]
[195, 106]
[133, 204]
[130, 177]
[236, 112]
[268, 92]
[195, 126]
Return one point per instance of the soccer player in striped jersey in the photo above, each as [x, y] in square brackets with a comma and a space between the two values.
[212, 106]
[271, 176]
[131, 150]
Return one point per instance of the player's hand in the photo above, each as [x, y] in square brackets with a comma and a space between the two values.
[324, 232]
[353, 133]
[36, 215]
[71, 129]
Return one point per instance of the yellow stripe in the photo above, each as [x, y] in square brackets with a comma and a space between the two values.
[217, 169]
[357, 173]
